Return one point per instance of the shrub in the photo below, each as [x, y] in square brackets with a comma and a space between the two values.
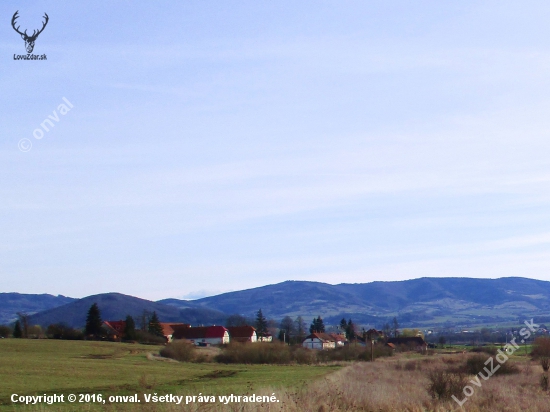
[544, 382]
[5, 331]
[412, 366]
[489, 350]
[149, 338]
[476, 364]
[346, 353]
[541, 348]
[255, 353]
[353, 353]
[443, 383]
[62, 331]
[545, 363]
[508, 368]
[303, 356]
[180, 350]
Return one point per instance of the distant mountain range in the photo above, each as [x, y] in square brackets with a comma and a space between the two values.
[416, 302]
[424, 302]
[11, 303]
[116, 306]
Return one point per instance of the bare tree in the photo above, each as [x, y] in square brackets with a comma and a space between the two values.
[301, 328]
[24, 322]
[144, 320]
[236, 320]
[395, 328]
[286, 329]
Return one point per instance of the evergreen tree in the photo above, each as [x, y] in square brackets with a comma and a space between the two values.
[344, 326]
[261, 324]
[155, 328]
[17, 332]
[129, 328]
[317, 326]
[350, 330]
[320, 325]
[93, 321]
[313, 326]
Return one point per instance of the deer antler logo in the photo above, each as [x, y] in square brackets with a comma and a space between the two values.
[29, 40]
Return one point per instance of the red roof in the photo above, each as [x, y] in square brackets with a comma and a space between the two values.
[169, 328]
[201, 332]
[116, 325]
[241, 331]
[337, 337]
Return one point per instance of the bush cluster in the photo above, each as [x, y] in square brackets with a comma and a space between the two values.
[443, 384]
[5, 331]
[256, 353]
[489, 350]
[149, 338]
[353, 353]
[476, 364]
[275, 353]
[62, 331]
[180, 350]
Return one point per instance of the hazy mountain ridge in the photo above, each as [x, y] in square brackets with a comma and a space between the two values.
[416, 302]
[11, 303]
[116, 306]
[420, 301]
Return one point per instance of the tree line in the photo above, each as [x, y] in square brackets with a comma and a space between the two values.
[288, 330]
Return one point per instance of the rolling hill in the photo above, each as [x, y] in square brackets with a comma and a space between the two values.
[424, 302]
[11, 303]
[420, 302]
[116, 306]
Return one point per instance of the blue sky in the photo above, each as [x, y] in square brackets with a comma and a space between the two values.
[216, 146]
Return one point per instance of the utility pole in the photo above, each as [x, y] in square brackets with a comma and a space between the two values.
[372, 350]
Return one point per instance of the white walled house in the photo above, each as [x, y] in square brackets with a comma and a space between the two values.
[242, 333]
[203, 335]
[319, 341]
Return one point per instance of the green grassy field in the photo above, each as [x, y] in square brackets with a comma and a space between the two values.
[39, 367]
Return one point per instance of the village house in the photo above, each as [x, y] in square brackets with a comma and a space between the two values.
[115, 329]
[203, 335]
[242, 334]
[373, 334]
[169, 328]
[339, 339]
[319, 341]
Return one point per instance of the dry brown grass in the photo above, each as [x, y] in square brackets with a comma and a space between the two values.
[380, 386]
